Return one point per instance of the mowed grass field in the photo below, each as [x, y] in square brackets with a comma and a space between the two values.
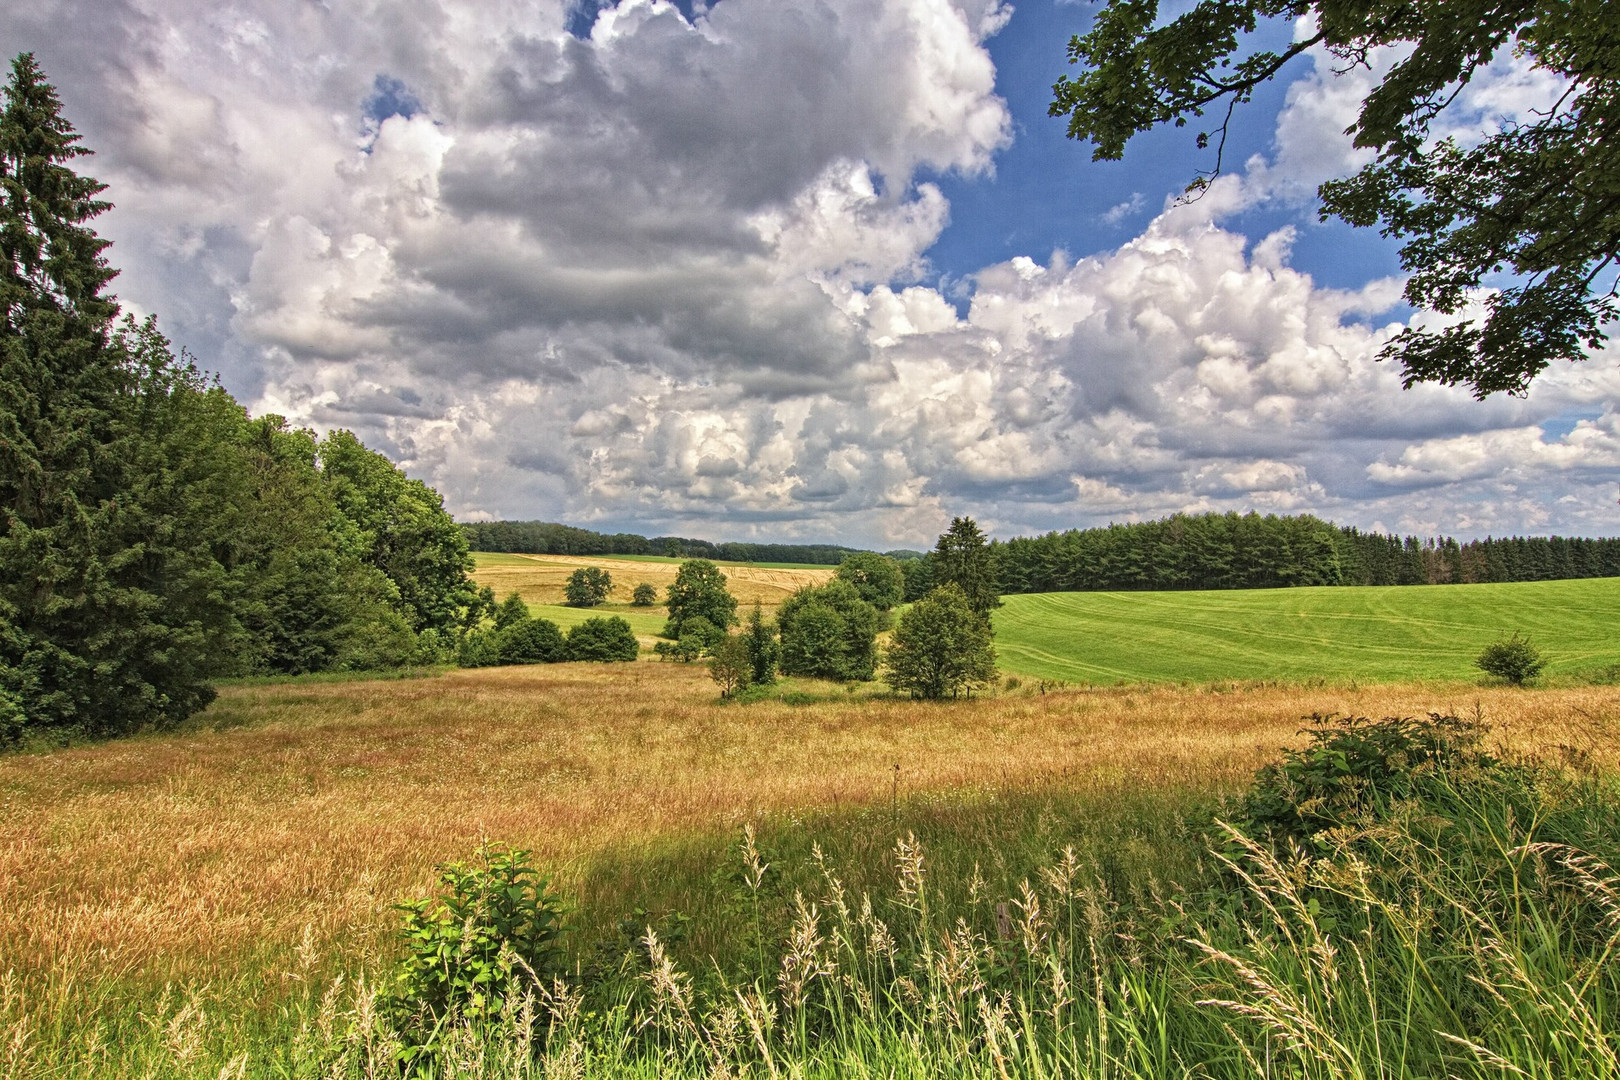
[1365, 634]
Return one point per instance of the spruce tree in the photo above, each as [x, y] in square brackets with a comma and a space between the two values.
[88, 638]
[963, 558]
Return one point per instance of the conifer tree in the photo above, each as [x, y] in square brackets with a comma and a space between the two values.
[72, 614]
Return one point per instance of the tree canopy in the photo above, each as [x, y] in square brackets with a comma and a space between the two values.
[153, 535]
[941, 646]
[877, 578]
[963, 558]
[699, 591]
[1526, 219]
[829, 632]
[587, 587]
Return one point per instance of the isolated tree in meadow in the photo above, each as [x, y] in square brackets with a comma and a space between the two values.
[645, 595]
[940, 647]
[587, 587]
[699, 591]
[963, 558]
[877, 578]
[731, 666]
[1529, 206]
[829, 632]
[1512, 658]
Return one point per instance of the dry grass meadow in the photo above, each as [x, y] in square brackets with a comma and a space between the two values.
[286, 820]
[539, 579]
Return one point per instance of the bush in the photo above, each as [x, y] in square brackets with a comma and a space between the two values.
[829, 632]
[480, 648]
[475, 950]
[1513, 659]
[588, 587]
[512, 611]
[759, 637]
[645, 595]
[1352, 766]
[532, 641]
[701, 632]
[604, 639]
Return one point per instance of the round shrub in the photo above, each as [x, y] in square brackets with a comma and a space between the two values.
[604, 639]
[532, 641]
[1513, 659]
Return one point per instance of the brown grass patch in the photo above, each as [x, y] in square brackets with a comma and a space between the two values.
[540, 579]
[319, 804]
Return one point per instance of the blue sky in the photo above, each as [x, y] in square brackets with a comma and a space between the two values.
[821, 271]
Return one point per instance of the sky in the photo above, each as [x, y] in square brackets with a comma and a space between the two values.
[820, 271]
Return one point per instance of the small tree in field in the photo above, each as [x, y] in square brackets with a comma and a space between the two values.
[1513, 659]
[699, 591]
[646, 595]
[730, 665]
[763, 652]
[588, 586]
[942, 646]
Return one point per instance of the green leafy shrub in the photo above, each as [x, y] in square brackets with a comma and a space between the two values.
[474, 951]
[532, 641]
[604, 639]
[512, 611]
[480, 648]
[699, 630]
[829, 632]
[645, 595]
[1514, 659]
[730, 666]
[1353, 765]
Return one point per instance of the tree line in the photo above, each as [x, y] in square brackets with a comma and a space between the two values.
[153, 535]
[1248, 551]
[550, 538]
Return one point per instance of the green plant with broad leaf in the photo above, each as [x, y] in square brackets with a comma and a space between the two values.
[475, 951]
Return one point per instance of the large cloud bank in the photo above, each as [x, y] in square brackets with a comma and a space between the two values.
[669, 275]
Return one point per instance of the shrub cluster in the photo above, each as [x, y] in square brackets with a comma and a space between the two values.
[516, 637]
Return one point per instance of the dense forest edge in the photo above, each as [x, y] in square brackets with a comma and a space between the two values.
[552, 538]
[1183, 551]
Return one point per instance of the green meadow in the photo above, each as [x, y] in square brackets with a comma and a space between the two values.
[1373, 634]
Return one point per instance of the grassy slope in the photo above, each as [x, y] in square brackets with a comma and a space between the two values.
[1367, 634]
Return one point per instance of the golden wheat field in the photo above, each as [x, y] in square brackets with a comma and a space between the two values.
[291, 816]
[540, 579]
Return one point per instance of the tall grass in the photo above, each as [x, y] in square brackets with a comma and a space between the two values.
[1465, 925]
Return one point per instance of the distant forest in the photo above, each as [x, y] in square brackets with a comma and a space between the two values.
[549, 538]
[1197, 551]
[1247, 551]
